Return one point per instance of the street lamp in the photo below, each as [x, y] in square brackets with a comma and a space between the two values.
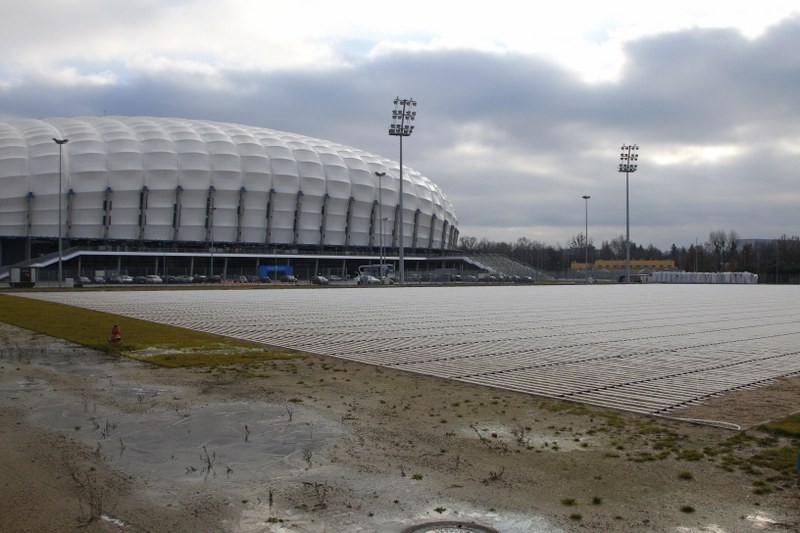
[380, 213]
[628, 156]
[60, 143]
[586, 234]
[400, 127]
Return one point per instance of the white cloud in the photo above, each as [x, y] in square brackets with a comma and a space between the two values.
[694, 155]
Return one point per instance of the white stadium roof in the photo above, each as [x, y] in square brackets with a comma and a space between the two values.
[168, 179]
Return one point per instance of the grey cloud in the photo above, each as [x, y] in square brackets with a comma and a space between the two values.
[700, 86]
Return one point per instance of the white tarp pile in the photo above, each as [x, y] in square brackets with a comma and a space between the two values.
[741, 278]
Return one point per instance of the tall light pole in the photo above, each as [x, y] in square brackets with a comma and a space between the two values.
[380, 213]
[60, 143]
[586, 234]
[400, 127]
[628, 156]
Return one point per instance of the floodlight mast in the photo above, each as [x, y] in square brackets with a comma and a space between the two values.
[400, 127]
[60, 143]
[628, 157]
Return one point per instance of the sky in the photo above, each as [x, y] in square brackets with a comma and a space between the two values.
[522, 107]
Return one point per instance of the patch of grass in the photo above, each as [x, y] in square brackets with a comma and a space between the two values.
[685, 475]
[690, 455]
[569, 502]
[688, 509]
[788, 427]
[781, 459]
[170, 346]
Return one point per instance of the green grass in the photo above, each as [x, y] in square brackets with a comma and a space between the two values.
[787, 427]
[170, 346]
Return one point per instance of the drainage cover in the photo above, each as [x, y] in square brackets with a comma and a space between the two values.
[449, 527]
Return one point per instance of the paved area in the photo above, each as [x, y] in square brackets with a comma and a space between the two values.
[643, 348]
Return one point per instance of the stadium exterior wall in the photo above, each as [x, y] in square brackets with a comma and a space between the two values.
[191, 181]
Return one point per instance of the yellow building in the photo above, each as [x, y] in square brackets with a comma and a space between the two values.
[613, 264]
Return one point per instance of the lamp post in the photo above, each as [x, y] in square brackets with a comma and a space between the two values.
[380, 213]
[628, 156]
[60, 143]
[400, 127]
[586, 234]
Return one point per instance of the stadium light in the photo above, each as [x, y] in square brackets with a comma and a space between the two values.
[628, 157]
[400, 127]
[60, 143]
[586, 234]
[380, 214]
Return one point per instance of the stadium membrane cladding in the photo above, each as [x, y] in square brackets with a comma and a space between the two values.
[144, 195]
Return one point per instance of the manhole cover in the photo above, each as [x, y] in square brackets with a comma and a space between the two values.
[449, 527]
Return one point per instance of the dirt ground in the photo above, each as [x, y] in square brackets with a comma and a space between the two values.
[409, 450]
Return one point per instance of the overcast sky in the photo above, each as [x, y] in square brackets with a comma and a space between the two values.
[521, 110]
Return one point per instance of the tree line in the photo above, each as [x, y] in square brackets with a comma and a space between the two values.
[774, 260]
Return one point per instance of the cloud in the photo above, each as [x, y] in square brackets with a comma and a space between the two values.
[512, 135]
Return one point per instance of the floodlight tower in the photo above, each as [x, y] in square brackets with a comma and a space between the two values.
[60, 143]
[628, 157]
[400, 127]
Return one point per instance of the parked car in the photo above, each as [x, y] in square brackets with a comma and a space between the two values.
[123, 279]
[80, 281]
[169, 279]
[184, 279]
[265, 279]
[319, 280]
[152, 278]
[288, 279]
[368, 280]
[199, 278]
[139, 280]
[334, 277]
[99, 279]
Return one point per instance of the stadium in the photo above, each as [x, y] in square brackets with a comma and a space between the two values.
[168, 196]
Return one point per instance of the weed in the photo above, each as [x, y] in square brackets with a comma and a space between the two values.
[94, 499]
[208, 461]
[569, 502]
[494, 475]
[320, 492]
[688, 509]
[597, 500]
[577, 517]
[685, 475]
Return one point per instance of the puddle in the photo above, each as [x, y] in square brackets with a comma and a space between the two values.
[219, 442]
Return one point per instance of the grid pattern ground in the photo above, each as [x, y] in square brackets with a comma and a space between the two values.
[648, 349]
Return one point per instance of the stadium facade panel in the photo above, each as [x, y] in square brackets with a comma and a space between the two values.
[180, 180]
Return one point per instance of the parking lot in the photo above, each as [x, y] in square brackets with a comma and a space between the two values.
[643, 348]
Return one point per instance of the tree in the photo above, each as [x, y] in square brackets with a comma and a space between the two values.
[717, 242]
[468, 244]
[577, 241]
